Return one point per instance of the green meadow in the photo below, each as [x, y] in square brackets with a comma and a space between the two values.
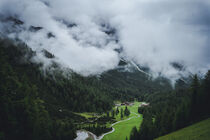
[123, 129]
[198, 131]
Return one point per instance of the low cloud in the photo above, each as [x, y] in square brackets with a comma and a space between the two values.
[152, 33]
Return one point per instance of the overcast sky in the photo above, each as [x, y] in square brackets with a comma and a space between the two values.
[152, 33]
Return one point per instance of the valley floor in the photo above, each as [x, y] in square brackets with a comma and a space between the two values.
[123, 129]
[120, 129]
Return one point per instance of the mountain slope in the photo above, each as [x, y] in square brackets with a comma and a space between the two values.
[40, 102]
[198, 131]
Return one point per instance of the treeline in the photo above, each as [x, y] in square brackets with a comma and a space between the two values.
[97, 125]
[37, 104]
[169, 112]
[29, 108]
[40, 104]
[97, 129]
[125, 112]
[127, 85]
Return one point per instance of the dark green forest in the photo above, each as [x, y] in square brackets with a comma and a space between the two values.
[170, 111]
[39, 103]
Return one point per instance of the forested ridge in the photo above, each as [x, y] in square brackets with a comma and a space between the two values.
[39, 103]
[170, 111]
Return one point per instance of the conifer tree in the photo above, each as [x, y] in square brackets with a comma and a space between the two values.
[117, 111]
[121, 113]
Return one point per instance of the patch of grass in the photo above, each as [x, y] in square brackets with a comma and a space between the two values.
[124, 128]
[198, 131]
[89, 139]
[88, 115]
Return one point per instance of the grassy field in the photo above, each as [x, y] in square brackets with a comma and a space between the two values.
[88, 114]
[198, 131]
[124, 128]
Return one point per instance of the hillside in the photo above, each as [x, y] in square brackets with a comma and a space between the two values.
[198, 131]
[104, 70]
[36, 100]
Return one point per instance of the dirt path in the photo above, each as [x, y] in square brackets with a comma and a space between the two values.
[101, 137]
[81, 133]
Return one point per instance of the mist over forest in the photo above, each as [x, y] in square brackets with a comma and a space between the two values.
[104, 70]
[92, 37]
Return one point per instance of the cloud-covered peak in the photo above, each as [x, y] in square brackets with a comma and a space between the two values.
[86, 34]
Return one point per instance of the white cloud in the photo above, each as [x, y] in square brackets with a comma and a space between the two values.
[153, 33]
